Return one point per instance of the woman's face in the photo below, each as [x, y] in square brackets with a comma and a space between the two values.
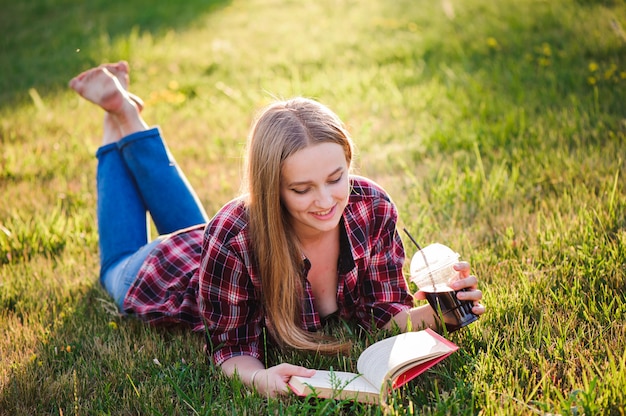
[315, 188]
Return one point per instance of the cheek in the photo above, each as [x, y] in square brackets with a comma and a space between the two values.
[343, 192]
[295, 205]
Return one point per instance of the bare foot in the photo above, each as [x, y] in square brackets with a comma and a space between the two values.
[101, 87]
[121, 70]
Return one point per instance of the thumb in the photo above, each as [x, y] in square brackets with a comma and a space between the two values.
[419, 295]
[287, 370]
[302, 371]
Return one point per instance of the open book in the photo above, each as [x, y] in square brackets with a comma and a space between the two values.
[389, 363]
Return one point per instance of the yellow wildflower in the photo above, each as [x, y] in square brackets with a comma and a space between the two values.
[593, 67]
[68, 348]
[609, 72]
[492, 43]
[545, 49]
[591, 80]
[112, 325]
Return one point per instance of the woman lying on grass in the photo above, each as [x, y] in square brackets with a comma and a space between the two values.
[307, 244]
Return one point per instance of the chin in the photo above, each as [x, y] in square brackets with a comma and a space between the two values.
[328, 225]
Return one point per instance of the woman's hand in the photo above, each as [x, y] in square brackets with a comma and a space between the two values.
[268, 381]
[466, 286]
[273, 381]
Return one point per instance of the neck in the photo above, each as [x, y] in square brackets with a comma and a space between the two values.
[314, 238]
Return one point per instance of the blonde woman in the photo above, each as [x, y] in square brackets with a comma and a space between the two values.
[308, 242]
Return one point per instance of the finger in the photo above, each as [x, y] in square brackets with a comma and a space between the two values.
[419, 295]
[282, 389]
[470, 295]
[286, 370]
[478, 309]
[470, 282]
[463, 268]
[303, 372]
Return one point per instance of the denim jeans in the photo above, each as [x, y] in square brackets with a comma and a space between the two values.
[137, 176]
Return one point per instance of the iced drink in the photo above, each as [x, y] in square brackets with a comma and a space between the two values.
[432, 270]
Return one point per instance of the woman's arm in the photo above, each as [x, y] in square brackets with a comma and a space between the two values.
[420, 317]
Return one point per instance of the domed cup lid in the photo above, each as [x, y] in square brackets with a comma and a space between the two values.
[433, 264]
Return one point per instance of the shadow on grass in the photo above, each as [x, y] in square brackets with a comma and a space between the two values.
[91, 361]
[43, 41]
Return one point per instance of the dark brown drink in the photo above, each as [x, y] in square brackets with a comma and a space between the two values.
[455, 313]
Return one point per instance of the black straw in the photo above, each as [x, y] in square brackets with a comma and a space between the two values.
[430, 273]
[412, 239]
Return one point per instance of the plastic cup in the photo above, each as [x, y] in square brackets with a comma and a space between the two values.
[432, 270]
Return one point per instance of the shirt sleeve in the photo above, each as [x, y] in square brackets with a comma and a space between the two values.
[385, 291]
[227, 296]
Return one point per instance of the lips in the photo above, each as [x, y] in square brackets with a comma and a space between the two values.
[323, 215]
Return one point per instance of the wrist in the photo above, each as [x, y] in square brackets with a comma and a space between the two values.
[252, 378]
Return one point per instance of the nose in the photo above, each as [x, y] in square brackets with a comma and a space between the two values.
[325, 197]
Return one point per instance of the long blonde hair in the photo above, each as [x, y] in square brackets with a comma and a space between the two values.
[282, 129]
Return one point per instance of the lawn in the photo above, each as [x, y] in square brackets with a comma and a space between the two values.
[497, 127]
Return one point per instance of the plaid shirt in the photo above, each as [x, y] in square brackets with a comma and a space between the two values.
[221, 286]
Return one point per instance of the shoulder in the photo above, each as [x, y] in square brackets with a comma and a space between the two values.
[231, 220]
[366, 190]
[369, 206]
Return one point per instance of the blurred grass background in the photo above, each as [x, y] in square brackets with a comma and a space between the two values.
[497, 127]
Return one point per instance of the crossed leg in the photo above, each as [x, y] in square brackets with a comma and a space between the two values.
[163, 187]
[135, 174]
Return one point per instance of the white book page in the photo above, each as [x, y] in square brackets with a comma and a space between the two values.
[338, 380]
[382, 359]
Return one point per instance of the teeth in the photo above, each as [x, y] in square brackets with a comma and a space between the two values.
[322, 213]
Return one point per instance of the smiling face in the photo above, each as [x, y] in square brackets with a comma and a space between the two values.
[314, 188]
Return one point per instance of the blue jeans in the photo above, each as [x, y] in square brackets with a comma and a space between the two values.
[136, 176]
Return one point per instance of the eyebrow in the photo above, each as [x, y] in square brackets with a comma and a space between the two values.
[292, 184]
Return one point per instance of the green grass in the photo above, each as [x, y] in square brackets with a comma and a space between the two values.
[498, 128]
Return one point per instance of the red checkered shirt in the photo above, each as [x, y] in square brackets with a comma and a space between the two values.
[212, 284]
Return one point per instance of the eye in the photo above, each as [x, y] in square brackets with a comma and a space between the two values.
[337, 180]
[301, 191]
